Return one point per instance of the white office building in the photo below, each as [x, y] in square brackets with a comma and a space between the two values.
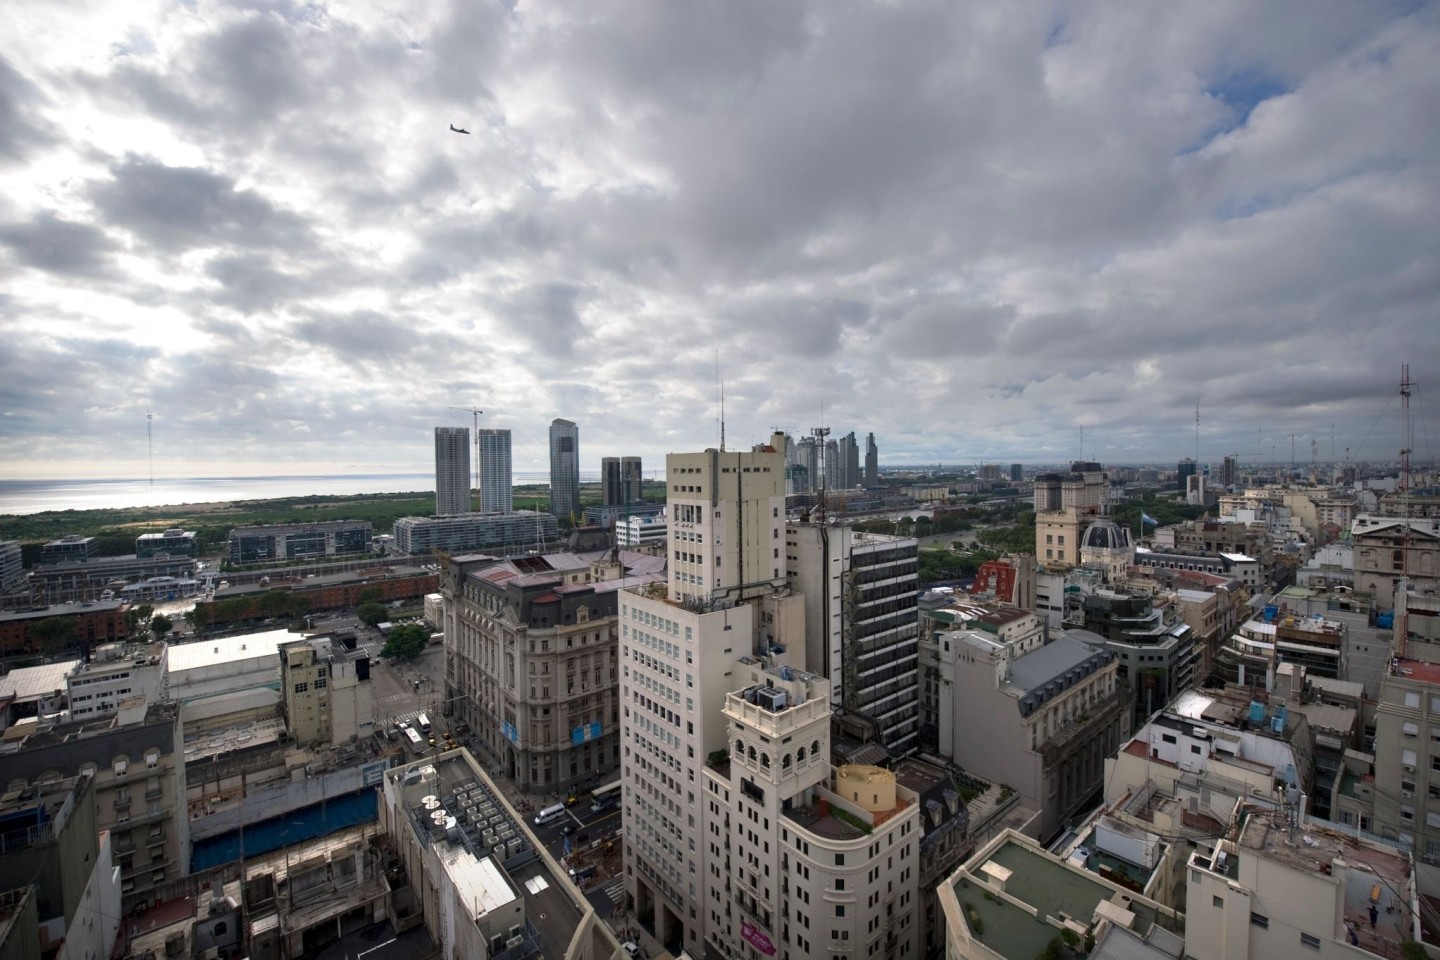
[739, 835]
[678, 649]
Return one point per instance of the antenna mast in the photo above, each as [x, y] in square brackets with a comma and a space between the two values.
[1402, 624]
[820, 433]
[150, 445]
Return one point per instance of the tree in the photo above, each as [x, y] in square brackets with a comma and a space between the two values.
[201, 616]
[136, 618]
[371, 595]
[53, 634]
[371, 613]
[160, 625]
[406, 642]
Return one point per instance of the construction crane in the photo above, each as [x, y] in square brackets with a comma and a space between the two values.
[475, 415]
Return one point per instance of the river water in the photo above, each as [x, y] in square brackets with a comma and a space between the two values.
[35, 496]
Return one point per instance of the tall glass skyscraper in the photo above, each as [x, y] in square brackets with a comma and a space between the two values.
[452, 470]
[495, 473]
[564, 468]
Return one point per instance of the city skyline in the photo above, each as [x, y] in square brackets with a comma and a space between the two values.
[978, 235]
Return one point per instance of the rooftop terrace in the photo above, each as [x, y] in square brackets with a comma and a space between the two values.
[1028, 896]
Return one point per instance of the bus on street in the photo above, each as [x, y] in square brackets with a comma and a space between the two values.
[606, 797]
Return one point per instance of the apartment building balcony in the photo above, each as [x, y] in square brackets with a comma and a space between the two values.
[1094, 719]
[141, 818]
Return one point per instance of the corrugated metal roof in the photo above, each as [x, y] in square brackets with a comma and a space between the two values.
[35, 682]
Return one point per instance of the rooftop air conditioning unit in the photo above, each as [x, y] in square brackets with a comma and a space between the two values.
[514, 942]
[771, 699]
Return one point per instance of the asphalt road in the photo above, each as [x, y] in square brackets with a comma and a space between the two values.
[408, 687]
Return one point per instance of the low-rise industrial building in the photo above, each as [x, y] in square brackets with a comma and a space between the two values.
[285, 542]
[468, 532]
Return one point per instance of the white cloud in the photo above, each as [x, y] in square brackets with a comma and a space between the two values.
[969, 228]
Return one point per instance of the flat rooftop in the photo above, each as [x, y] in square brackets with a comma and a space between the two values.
[1373, 875]
[215, 651]
[36, 683]
[488, 849]
[1419, 670]
[1039, 880]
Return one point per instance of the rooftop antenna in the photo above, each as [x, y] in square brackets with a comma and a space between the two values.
[722, 416]
[150, 445]
[1402, 624]
[820, 433]
[1082, 441]
[1197, 435]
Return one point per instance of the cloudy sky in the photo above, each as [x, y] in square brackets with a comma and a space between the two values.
[971, 228]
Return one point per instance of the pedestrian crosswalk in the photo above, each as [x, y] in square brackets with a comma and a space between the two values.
[615, 890]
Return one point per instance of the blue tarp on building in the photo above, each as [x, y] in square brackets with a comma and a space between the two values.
[298, 826]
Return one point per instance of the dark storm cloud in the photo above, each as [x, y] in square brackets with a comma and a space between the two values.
[59, 246]
[361, 335]
[1000, 224]
[255, 63]
[250, 283]
[19, 131]
[35, 395]
[180, 208]
[453, 247]
[464, 49]
[939, 328]
[792, 326]
[546, 315]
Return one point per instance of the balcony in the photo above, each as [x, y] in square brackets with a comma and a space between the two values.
[1095, 717]
[144, 817]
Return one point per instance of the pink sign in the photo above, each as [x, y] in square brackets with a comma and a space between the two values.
[756, 938]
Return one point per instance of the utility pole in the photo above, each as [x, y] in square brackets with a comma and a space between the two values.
[475, 415]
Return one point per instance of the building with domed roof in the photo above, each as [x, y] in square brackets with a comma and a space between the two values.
[1107, 546]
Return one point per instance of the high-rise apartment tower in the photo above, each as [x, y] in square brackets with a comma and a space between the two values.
[564, 468]
[619, 481]
[452, 470]
[495, 473]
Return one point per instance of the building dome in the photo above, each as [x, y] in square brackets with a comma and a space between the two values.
[1106, 534]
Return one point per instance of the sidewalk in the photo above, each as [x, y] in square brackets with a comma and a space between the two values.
[629, 928]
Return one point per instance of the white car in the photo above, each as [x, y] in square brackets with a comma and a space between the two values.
[631, 947]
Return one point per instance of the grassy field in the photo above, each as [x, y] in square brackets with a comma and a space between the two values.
[115, 530]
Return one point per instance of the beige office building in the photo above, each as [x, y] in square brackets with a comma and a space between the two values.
[327, 700]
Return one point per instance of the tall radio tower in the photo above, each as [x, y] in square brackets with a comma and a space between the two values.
[150, 446]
